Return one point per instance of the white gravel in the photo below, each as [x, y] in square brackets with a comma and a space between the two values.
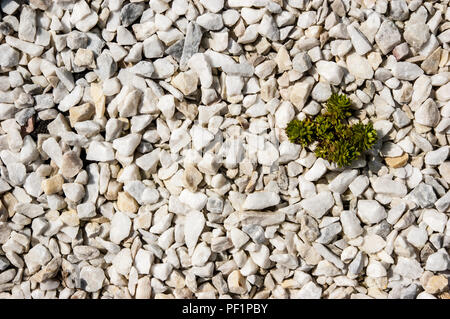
[143, 151]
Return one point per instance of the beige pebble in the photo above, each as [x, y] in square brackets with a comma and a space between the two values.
[84, 57]
[126, 203]
[81, 113]
[236, 283]
[113, 190]
[52, 185]
[398, 161]
[186, 82]
[437, 284]
[70, 218]
[191, 178]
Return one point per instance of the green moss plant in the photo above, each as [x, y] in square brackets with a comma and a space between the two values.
[337, 140]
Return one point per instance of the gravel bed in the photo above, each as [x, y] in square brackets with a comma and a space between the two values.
[143, 151]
